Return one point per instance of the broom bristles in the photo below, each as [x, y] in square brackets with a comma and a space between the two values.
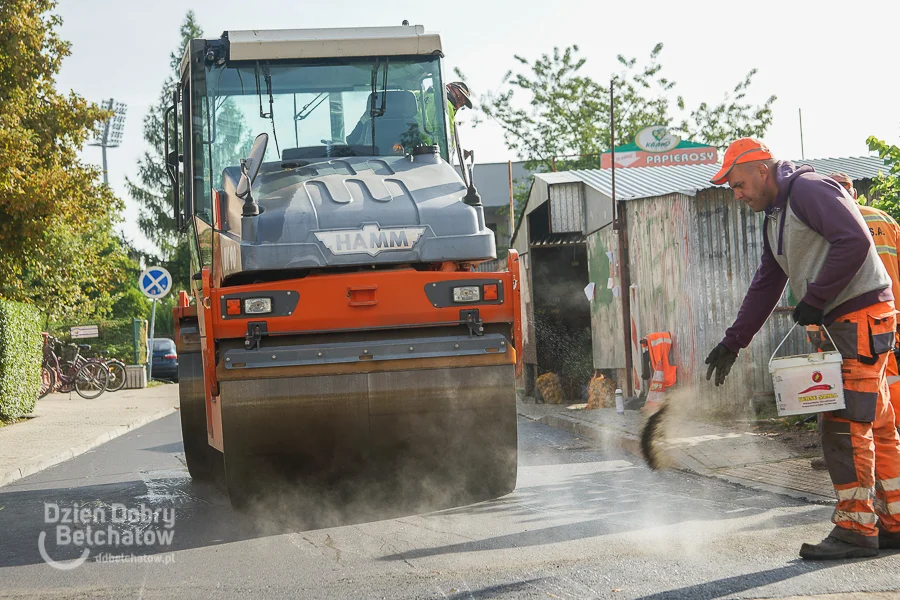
[652, 436]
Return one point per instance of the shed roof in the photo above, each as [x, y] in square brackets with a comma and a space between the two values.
[646, 182]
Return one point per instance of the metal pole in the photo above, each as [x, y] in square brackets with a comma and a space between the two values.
[802, 151]
[106, 127]
[621, 223]
[612, 147]
[512, 205]
[150, 343]
[105, 173]
[625, 293]
[135, 337]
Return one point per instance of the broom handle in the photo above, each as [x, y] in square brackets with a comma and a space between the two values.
[790, 332]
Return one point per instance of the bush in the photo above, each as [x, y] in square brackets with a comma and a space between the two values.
[116, 338]
[21, 355]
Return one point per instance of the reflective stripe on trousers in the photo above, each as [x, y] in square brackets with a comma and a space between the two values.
[863, 457]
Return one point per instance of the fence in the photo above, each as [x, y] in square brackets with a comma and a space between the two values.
[125, 339]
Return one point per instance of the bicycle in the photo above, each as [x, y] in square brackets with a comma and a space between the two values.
[97, 369]
[116, 372]
[88, 377]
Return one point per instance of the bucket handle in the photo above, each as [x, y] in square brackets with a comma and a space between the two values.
[792, 331]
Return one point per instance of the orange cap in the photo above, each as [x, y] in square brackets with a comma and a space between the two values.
[740, 151]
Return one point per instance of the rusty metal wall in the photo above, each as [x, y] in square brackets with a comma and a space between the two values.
[567, 207]
[729, 244]
[606, 308]
[659, 238]
[692, 260]
[521, 242]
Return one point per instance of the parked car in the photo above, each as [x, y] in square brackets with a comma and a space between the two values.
[165, 360]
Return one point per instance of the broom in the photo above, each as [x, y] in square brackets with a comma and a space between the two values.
[653, 435]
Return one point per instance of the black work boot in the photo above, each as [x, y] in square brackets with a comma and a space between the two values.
[888, 540]
[832, 548]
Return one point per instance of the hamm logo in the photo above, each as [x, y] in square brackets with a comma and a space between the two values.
[371, 239]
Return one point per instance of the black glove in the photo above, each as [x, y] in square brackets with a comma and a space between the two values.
[720, 361]
[806, 314]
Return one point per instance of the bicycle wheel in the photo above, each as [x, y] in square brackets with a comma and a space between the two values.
[91, 380]
[48, 381]
[65, 385]
[116, 376]
[65, 375]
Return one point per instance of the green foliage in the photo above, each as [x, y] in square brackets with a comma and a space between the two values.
[116, 338]
[131, 304]
[130, 301]
[153, 190]
[734, 117]
[20, 359]
[886, 188]
[73, 273]
[165, 321]
[56, 220]
[566, 122]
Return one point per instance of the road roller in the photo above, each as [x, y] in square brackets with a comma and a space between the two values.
[338, 327]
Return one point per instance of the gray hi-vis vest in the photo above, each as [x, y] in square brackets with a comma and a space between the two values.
[803, 252]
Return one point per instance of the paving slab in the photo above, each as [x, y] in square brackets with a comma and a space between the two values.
[66, 425]
[729, 453]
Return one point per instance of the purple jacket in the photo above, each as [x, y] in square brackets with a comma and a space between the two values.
[822, 206]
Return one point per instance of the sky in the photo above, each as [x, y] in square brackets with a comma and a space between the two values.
[833, 60]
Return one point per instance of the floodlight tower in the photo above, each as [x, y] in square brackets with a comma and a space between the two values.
[109, 132]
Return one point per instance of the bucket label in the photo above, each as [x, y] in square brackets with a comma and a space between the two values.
[806, 389]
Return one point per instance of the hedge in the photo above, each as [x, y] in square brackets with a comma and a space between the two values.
[21, 354]
[116, 338]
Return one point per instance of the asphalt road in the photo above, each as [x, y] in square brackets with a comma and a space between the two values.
[581, 524]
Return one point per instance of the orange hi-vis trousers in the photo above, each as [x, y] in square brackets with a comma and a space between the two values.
[861, 442]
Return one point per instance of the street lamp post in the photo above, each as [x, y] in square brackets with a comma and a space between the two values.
[109, 132]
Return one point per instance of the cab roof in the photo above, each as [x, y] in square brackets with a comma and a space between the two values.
[337, 42]
[343, 42]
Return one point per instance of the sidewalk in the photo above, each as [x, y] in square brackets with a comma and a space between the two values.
[66, 425]
[743, 457]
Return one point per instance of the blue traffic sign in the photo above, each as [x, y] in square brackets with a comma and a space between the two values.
[155, 282]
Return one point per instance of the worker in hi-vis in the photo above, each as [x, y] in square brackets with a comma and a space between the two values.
[886, 233]
[815, 238]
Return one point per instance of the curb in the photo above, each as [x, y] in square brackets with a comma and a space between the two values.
[681, 461]
[35, 466]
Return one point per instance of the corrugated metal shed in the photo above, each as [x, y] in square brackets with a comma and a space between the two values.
[691, 259]
[647, 182]
[861, 167]
[492, 181]
[559, 239]
[567, 208]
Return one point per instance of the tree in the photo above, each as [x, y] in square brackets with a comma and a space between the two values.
[566, 122]
[130, 301]
[56, 219]
[735, 117]
[886, 189]
[153, 190]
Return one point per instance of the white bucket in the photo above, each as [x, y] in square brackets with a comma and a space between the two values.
[807, 383]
